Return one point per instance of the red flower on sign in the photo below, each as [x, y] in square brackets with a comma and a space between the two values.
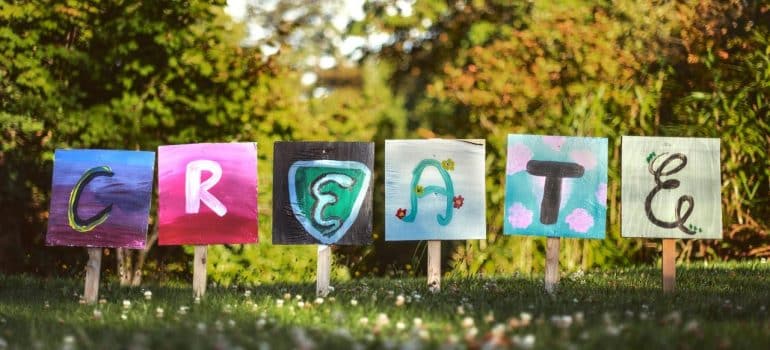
[400, 213]
[458, 201]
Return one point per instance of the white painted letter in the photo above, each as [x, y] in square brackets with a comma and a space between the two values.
[197, 191]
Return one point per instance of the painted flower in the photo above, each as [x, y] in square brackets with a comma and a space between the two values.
[601, 194]
[419, 190]
[554, 142]
[448, 164]
[519, 216]
[400, 213]
[585, 158]
[518, 156]
[580, 220]
[458, 201]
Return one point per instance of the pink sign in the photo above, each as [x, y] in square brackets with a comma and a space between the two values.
[207, 193]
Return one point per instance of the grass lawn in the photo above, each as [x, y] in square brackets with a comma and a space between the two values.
[716, 306]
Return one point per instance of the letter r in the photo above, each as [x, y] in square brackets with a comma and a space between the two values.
[197, 191]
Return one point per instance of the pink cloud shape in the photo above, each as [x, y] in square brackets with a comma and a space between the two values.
[554, 142]
[580, 220]
[519, 216]
[585, 158]
[601, 194]
[518, 156]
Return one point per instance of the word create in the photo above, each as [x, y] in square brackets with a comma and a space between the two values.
[671, 187]
[560, 180]
[322, 192]
[434, 190]
[207, 193]
[100, 198]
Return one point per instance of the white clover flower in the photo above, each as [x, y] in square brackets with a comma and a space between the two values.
[525, 318]
[498, 331]
[524, 342]
[400, 300]
[97, 314]
[319, 300]
[148, 295]
[247, 293]
[353, 302]
[579, 317]
[562, 322]
[460, 310]
[467, 322]
[101, 301]
[279, 302]
[126, 304]
[123, 317]
[287, 296]
[423, 334]
[472, 333]
[363, 321]
[382, 319]
[159, 312]
[197, 300]
[417, 322]
[301, 304]
[183, 310]
[400, 325]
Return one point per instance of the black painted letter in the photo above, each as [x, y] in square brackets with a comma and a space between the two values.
[553, 172]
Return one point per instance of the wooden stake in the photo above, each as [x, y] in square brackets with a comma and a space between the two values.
[199, 271]
[323, 270]
[669, 265]
[93, 268]
[551, 264]
[434, 266]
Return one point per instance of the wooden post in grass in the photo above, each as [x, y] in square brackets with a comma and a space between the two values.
[434, 266]
[199, 271]
[93, 268]
[551, 264]
[669, 265]
[323, 270]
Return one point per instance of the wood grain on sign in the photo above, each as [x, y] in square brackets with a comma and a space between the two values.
[434, 190]
[556, 186]
[671, 187]
[322, 192]
[207, 193]
[100, 198]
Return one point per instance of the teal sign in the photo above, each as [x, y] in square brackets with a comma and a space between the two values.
[326, 196]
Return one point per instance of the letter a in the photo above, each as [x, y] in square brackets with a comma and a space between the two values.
[197, 191]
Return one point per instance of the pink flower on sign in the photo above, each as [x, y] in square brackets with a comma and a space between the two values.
[518, 156]
[554, 142]
[601, 194]
[580, 220]
[585, 158]
[519, 216]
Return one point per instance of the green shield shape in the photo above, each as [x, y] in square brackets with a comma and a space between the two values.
[326, 196]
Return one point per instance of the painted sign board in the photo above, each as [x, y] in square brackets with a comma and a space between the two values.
[556, 186]
[671, 187]
[322, 192]
[100, 198]
[435, 190]
[207, 193]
